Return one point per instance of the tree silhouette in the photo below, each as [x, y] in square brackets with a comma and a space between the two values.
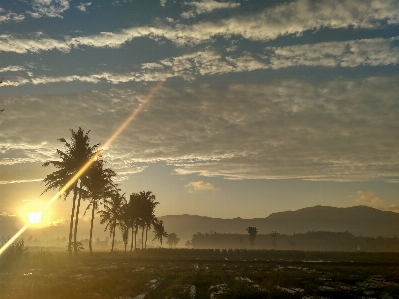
[274, 235]
[252, 231]
[142, 209]
[76, 154]
[172, 240]
[99, 186]
[133, 217]
[159, 231]
[125, 234]
[112, 214]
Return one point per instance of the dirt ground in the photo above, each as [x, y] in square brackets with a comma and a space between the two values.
[197, 274]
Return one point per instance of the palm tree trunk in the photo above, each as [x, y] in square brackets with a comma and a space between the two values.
[91, 227]
[142, 238]
[113, 236]
[131, 245]
[72, 215]
[77, 220]
[135, 238]
[146, 232]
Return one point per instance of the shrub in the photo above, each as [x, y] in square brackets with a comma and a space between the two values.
[14, 252]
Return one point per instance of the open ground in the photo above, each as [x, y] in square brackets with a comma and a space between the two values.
[190, 273]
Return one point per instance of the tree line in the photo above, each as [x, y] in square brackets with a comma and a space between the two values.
[82, 165]
[310, 241]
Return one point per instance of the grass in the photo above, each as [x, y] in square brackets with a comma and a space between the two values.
[175, 273]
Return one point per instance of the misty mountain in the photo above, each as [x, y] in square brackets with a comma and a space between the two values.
[358, 220]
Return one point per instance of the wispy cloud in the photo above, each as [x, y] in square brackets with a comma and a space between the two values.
[274, 129]
[11, 43]
[17, 150]
[48, 8]
[353, 53]
[19, 181]
[286, 19]
[83, 6]
[206, 7]
[12, 68]
[199, 186]
[372, 52]
[10, 16]
[58, 222]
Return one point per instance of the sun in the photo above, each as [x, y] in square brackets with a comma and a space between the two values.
[35, 213]
[34, 217]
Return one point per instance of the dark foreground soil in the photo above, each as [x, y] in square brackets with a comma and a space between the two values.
[201, 274]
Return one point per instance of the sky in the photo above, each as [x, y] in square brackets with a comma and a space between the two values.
[243, 108]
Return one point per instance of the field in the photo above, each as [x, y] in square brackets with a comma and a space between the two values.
[185, 273]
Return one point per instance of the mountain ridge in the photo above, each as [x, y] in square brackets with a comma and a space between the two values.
[358, 220]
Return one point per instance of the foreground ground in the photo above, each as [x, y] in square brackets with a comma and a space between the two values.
[201, 274]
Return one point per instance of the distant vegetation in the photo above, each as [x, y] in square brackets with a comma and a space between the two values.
[314, 241]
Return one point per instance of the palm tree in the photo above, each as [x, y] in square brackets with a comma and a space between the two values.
[99, 186]
[159, 230]
[274, 235]
[124, 227]
[142, 207]
[132, 217]
[252, 231]
[76, 154]
[147, 213]
[112, 214]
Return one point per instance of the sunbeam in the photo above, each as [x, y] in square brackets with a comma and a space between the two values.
[107, 144]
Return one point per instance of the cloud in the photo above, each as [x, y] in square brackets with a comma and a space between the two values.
[292, 18]
[367, 198]
[208, 62]
[59, 222]
[392, 208]
[287, 19]
[48, 8]
[10, 43]
[122, 2]
[162, 2]
[12, 68]
[19, 181]
[371, 52]
[10, 16]
[5, 214]
[82, 6]
[329, 129]
[206, 7]
[23, 152]
[199, 186]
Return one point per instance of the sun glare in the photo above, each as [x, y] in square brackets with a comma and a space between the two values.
[34, 217]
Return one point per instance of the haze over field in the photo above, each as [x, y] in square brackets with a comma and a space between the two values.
[256, 107]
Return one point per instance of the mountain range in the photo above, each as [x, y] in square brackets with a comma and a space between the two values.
[358, 220]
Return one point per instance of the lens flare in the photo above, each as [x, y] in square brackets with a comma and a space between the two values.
[123, 126]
